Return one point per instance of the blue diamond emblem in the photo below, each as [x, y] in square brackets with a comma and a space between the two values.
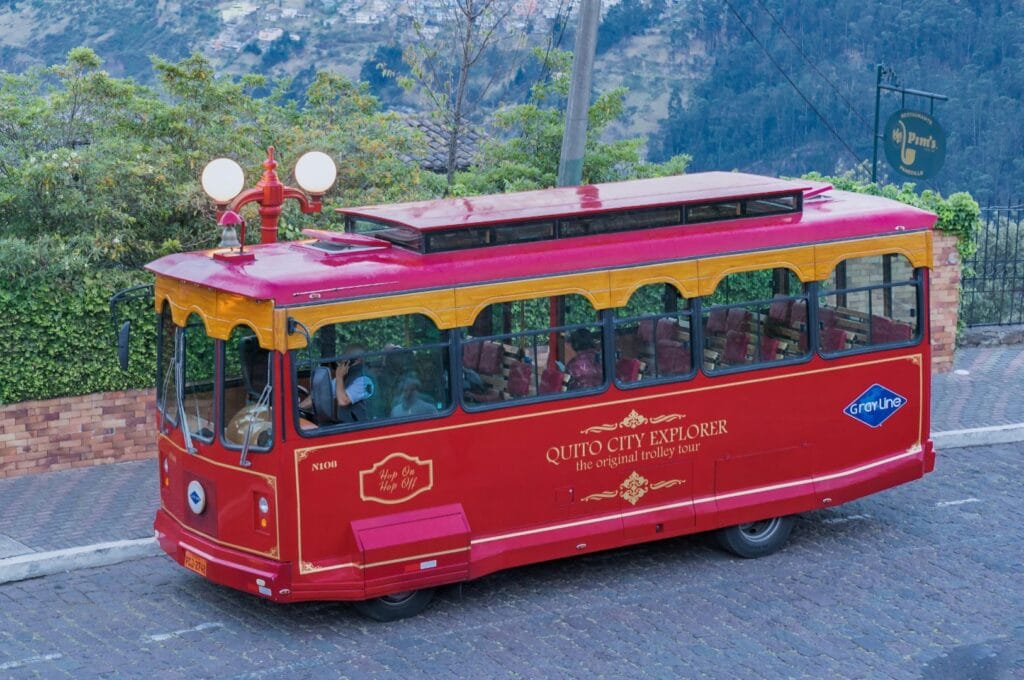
[875, 405]
[194, 497]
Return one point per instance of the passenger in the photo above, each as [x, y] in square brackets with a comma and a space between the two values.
[410, 402]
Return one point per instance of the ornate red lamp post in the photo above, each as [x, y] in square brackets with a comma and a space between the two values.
[223, 180]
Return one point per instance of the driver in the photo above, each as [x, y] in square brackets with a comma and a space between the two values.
[356, 386]
[349, 386]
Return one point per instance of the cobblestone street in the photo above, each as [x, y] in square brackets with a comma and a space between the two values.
[922, 580]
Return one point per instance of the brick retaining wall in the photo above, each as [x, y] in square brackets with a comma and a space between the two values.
[72, 432]
[945, 301]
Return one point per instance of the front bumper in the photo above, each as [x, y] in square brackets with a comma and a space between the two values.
[229, 567]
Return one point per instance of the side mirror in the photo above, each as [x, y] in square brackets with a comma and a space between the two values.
[123, 337]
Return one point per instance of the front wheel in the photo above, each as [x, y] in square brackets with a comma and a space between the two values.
[756, 539]
[398, 606]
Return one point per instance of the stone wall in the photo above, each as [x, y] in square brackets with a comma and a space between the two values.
[945, 301]
[72, 432]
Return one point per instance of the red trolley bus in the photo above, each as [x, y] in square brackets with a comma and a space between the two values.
[448, 388]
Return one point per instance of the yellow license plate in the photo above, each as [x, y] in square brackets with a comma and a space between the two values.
[195, 563]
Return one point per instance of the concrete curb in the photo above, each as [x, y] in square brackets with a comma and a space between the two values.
[979, 436]
[33, 565]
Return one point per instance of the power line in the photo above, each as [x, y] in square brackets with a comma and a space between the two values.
[807, 101]
[803, 54]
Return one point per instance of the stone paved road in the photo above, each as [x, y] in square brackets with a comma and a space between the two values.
[921, 581]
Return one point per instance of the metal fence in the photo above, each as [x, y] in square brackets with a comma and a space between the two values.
[993, 281]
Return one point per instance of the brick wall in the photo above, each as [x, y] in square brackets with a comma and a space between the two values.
[71, 432]
[945, 301]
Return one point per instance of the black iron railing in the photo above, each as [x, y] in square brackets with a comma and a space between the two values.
[993, 281]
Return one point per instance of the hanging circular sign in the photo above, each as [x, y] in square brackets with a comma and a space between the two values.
[915, 144]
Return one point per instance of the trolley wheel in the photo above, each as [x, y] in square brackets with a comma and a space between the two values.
[397, 606]
[756, 539]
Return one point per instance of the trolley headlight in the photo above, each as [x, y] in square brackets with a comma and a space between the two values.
[263, 505]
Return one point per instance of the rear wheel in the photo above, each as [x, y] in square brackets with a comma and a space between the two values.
[397, 606]
[756, 539]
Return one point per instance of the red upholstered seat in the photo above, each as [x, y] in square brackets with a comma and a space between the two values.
[672, 358]
[827, 317]
[716, 320]
[885, 330]
[520, 376]
[627, 369]
[471, 355]
[552, 380]
[667, 330]
[779, 310]
[736, 347]
[491, 354]
[769, 348]
[645, 329]
[833, 339]
[737, 319]
[798, 314]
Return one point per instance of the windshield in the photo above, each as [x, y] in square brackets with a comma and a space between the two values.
[186, 358]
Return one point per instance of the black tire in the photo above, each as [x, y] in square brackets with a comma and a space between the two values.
[397, 606]
[756, 539]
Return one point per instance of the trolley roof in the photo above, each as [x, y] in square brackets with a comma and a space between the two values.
[338, 265]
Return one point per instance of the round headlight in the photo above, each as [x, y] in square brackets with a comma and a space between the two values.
[264, 505]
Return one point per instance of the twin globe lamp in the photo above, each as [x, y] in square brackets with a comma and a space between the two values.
[223, 181]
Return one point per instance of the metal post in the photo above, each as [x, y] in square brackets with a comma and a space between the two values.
[574, 139]
[878, 103]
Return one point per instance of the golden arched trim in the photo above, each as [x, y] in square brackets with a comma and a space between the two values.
[220, 311]
[470, 301]
[712, 270]
[916, 246]
[436, 305]
[625, 282]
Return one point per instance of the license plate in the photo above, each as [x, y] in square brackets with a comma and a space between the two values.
[195, 563]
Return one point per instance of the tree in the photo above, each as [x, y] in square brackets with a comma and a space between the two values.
[528, 157]
[442, 66]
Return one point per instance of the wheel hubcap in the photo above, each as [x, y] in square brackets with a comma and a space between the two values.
[398, 598]
[758, 532]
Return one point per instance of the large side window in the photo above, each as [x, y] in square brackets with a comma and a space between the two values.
[248, 406]
[753, 318]
[376, 370]
[198, 385]
[653, 335]
[530, 348]
[868, 301]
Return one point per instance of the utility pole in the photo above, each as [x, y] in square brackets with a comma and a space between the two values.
[574, 139]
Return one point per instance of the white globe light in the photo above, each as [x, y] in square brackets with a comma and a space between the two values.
[222, 179]
[315, 172]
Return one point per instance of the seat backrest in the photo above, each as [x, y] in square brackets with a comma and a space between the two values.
[833, 339]
[736, 347]
[520, 378]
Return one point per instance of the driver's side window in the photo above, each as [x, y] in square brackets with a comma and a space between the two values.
[386, 369]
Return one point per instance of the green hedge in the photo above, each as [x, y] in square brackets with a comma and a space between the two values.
[57, 337]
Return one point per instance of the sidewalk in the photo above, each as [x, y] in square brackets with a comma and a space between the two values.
[102, 515]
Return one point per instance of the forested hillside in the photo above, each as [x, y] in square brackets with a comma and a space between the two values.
[744, 114]
[710, 78]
